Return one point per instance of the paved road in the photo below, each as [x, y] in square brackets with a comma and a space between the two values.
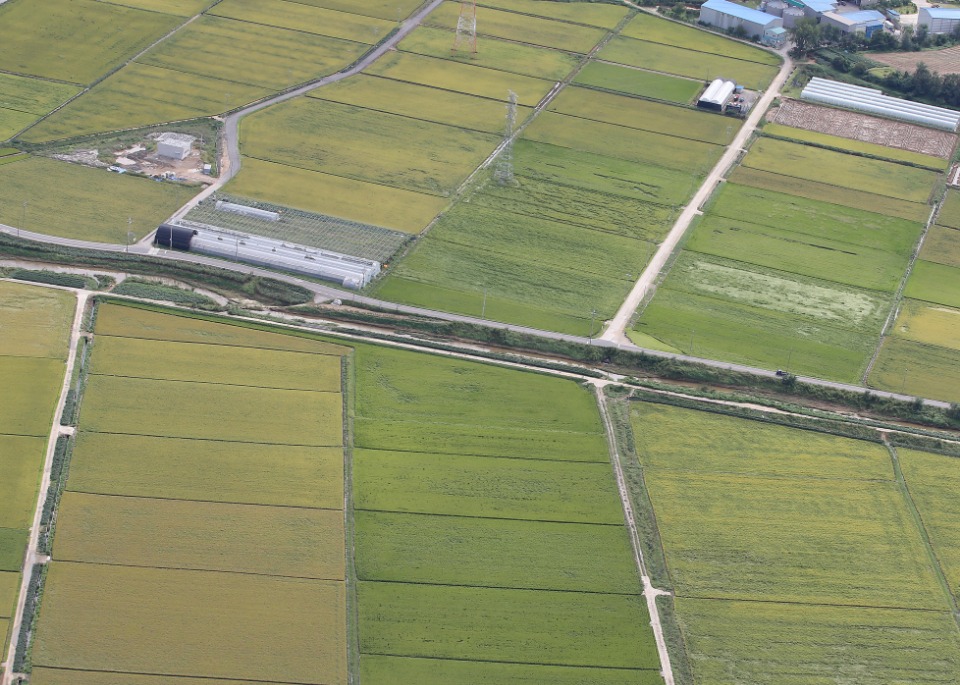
[231, 158]
[616, 330]
[33, 556]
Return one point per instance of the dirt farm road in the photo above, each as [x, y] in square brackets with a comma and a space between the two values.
[650, 593]
[33, 556]
[616, 330]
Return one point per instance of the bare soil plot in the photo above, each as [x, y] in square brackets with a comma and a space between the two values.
[946, 61]
[869, 129]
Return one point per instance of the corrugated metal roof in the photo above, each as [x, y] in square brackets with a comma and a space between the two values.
[863, 16]
[740, 12]
[777, 31]
[943, 13]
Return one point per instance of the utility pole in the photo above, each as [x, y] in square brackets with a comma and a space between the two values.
[503, 171]
[466, 28]
[593, 317]
[23, 218]
[483, 309]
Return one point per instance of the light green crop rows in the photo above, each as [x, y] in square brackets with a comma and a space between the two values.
[631, 81]
[837, 168]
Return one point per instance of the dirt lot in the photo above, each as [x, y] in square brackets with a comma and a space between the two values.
[946, 61]
[864, 127]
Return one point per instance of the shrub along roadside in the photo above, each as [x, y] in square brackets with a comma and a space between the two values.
[641, 364]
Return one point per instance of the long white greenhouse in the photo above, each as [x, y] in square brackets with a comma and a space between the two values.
[873, 101]
[346, 270]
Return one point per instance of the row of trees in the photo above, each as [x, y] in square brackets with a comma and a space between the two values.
[808, 36]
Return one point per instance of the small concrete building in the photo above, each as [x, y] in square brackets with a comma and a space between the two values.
[728, 15]
[775, 37]
[174, 145]
[939, 19]
[865, 21]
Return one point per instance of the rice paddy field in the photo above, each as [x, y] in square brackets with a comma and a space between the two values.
[524, 28]
[90, 204]
[521, 569]
[920, 356]
[647, 27]
[24, 99]
[204, 67]
[631, 81]
[800, 272]
[681, 61]
[746, 509]
[60, 47]
[34, 336]
[835, 168]
[445, 155]
[218, 534]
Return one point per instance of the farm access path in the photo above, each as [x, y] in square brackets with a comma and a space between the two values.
[33, 555]
[616, 330]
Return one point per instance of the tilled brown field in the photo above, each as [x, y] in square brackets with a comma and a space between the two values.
[946, 61]
[863, 127]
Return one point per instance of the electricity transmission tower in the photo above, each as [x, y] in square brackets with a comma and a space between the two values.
[503, 171]
[466, 37]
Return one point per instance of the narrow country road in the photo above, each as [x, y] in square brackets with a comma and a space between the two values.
[650, 593]
[616, 330]
[231, 158]
[33, 556]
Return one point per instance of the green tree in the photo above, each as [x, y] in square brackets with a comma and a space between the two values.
[806, 36]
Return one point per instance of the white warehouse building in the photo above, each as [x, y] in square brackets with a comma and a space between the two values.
[728, 15]
[939, 19]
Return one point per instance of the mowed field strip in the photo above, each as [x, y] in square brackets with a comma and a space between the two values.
[747, 510]
[34, 336]
[218, 535]
[490, 541]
